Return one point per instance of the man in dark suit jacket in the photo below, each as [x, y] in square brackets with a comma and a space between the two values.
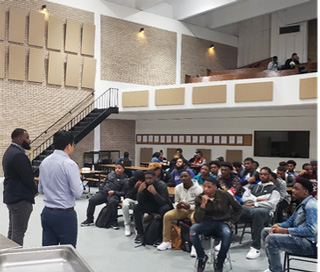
[19, 186]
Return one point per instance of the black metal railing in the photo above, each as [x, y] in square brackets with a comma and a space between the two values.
[108, 99]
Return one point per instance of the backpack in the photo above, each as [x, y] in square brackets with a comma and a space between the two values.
[185, 237]
[103, 218]
[176, 237]
[153, 232]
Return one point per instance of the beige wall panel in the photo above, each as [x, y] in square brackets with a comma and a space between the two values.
[2, 22]
[73, 70]
[88, 73]
[146, 154]
[55, 68]
[308, 88]
[135, 99]
[254, 92]
[17, 25]
[36, 65]
[88, 36]
[233, 155]
[209, 94]
[36, 28]
[17, 62]
[55, 33]
[165, 97]
[2, 59]
[72, 36]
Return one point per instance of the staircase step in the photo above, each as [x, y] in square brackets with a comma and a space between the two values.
[49, 152]
[36, 162]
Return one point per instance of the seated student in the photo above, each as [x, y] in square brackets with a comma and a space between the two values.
[161, 174]
[297, 235]
[204, 173]
[125, 160]
[230, 181]
[214, 168]
[214, 217]
[285, 198]
[308, 173]
[273, 64]
[156, 157]
[162, 158]
[260, 202]
[180, 166]
[153, 197]
[177, 155]
[131, 199]
[314, 164]
[291, 165]
[281, 173]
[184, 195]
[113, 188]
[199, 159]
[255, 165]
[237, 167]
[292, 62]
[248, 174]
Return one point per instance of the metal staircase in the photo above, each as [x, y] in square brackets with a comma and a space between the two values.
[80, 125]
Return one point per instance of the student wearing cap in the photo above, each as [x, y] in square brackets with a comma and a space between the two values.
[214, 217]
[162, 175]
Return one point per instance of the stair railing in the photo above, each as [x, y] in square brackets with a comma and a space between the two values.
[106, 100]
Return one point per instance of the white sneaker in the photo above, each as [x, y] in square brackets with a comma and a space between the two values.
[267, 270]
[164, 246]
[253, 253]
[218, 247]
[127, 230]
[193, 252]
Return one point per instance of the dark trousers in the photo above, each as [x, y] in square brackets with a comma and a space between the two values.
[19, 214]
[59, 227]
[100, 198]
[282, 205]
[140, 209]
[259, 217]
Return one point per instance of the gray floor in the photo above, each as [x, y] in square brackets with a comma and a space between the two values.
[109, 250]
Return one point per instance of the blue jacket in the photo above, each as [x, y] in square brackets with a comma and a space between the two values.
[304, 221]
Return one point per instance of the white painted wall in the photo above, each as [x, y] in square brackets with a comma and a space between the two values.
[243, 122]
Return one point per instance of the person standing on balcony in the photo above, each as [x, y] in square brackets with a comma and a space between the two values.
[60, 183]
[19, 186]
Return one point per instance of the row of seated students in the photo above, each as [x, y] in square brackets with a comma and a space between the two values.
[215, 199]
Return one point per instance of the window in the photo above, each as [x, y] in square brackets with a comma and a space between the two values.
[292, 144]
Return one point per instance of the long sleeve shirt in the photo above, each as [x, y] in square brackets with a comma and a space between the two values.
[262, 191]
[304, 221]
[161, 198]
[218, 208]
[18, 182]
[114, 183]
[59, 181]
[187, 195]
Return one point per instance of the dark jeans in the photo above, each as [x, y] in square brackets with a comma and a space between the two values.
[100, 198]
[19, 214]
[259, 218]
[139, 210]
[212, 228]
[59, 227]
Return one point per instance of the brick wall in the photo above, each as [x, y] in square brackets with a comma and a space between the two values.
[196, 58]
[118, 135]
[85, 145]
[36, 106]
[129, 57]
